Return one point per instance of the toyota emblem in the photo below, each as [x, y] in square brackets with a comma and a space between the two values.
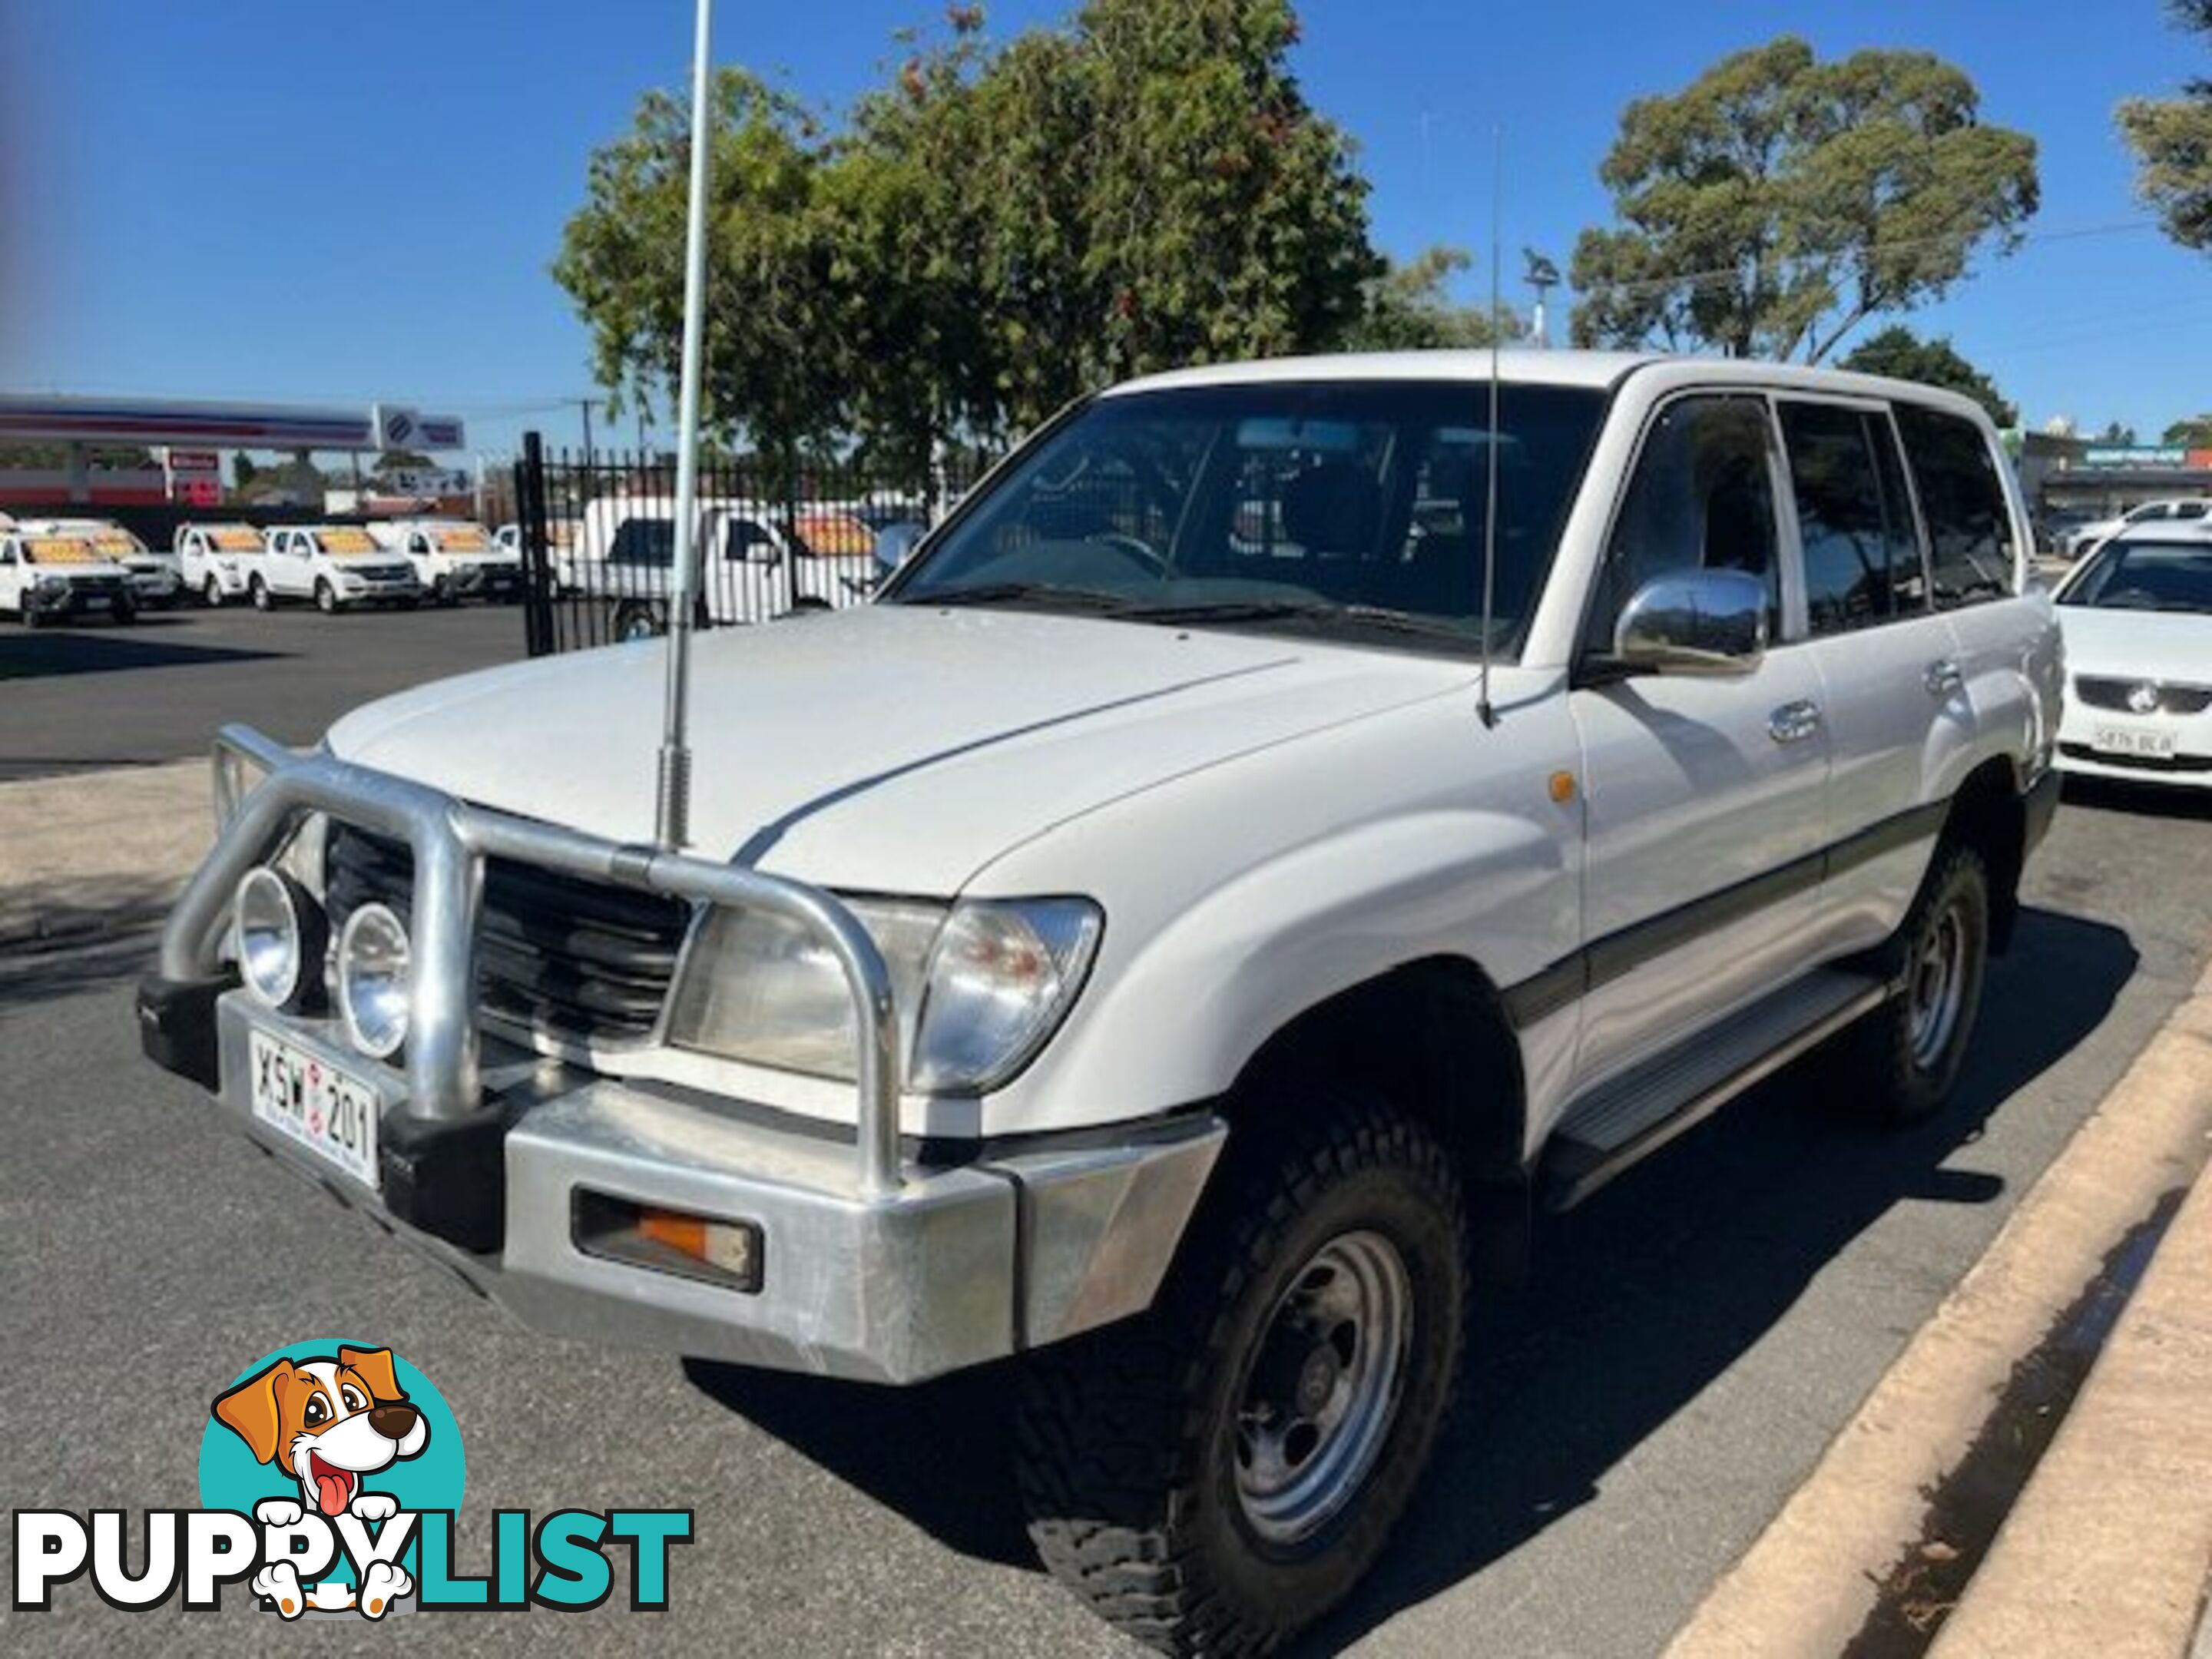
[2143, 699]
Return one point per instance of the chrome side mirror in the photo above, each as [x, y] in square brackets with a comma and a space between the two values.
[1694, 622]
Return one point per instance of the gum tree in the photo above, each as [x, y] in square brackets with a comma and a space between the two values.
[1777, 202]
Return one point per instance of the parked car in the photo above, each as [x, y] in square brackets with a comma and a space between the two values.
[2136, 615]
[336, 565]
[216, 561]
[1183, 967]
[53, 578]
[156, 579]
[752, 570]
[2186, 511]
[454, 559]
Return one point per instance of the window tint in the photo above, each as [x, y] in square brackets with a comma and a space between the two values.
[1702, 498]
[1962, 500]
[2188, 509]
[1862, 552]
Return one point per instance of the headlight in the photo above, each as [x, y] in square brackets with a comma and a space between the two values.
[978, 990]
[280, 932]
[53, 584]
[374, 979]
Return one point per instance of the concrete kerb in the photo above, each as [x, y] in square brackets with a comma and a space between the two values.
[1808, 1583]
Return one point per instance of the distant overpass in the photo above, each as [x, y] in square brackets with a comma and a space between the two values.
[189, 436]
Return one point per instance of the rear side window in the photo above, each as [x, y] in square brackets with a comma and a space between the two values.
[1702, 499]
[1855, 523]
[1963, 500]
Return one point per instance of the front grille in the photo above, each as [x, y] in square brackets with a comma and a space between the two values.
[2138, 762]
[559, 954]
[2096, 692]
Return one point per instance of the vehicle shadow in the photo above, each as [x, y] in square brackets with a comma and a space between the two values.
[49, 654]
[2139, 800]
[1641, 1299]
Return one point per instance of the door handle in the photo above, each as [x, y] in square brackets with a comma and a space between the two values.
[1794, 722]
[1943, 678]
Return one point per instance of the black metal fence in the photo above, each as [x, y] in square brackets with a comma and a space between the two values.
[598, 536]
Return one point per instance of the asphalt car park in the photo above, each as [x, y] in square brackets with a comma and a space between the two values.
[1695, 1336]
[81, 698]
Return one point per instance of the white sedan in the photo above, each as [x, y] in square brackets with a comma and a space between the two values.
[2138, 620]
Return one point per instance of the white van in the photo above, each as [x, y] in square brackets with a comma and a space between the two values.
[336, 565]
[215, 559]
[751, 569]
[453, 558]
[46, 578]
[156, 580]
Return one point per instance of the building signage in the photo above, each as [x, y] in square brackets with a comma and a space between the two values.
[2135, 455]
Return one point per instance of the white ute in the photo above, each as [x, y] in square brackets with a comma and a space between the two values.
[336, 565]
[752, 568]
[56, 578]
[1180, 931]
[156, 578]
[217, 560]
[453, 559]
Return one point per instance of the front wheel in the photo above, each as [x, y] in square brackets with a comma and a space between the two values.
[1908, 1053]
[211, 594]
[1218, 1472]
[262, 598]
[326, 596]
[441, 591]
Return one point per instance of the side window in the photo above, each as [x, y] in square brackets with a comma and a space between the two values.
[1702, 498]
[1962, 498]
[742, 539]
[1854, 521]
[2188, 509]
[418, 544]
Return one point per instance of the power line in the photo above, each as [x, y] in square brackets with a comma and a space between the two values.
[1734, 273]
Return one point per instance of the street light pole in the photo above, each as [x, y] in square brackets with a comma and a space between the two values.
[672, 827]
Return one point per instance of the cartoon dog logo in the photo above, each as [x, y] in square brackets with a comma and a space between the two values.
[327, 1423]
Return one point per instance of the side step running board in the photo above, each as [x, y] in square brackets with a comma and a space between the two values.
[1634, 1115]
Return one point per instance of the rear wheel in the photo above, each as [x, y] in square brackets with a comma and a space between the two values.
[637, 619]
[1217, 1474]
[1907, 1055]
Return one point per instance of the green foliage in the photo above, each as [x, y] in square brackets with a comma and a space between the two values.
[2117, 434]
[2171, 138]
[2195, 432]
[1409, 307]
[403, 461]
[992, 232]
[1899, 353]
[1777, 202]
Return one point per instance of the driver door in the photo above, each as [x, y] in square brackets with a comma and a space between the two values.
[1703, 794]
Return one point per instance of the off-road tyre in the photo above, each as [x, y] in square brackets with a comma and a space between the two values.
[1127, 1437]
[1901, 1067]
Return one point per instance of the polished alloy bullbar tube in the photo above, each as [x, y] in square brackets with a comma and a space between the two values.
[450, 841]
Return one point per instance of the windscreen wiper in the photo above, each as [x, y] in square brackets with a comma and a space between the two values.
[1095, 599]
[1230, 612]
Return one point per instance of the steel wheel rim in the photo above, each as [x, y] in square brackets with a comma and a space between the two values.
[1322, 1393]
[1937, 986]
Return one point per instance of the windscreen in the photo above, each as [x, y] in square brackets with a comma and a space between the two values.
[2131, 575]
[1356, 509]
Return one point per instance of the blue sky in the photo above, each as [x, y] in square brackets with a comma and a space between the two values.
[267, 198]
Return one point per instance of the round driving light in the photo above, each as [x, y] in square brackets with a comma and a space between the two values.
[280, 932]
[374, 976]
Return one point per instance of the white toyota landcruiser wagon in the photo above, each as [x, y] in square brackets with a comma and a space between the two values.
[1171, 935]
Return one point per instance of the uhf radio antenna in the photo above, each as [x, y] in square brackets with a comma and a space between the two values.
[1482, 706]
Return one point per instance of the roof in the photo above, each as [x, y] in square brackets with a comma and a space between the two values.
[1598, 370]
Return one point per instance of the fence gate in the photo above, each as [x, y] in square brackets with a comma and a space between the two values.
[599, 539]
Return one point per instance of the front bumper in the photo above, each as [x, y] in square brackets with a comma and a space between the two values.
[78, 600]
[873, 1265]
[2189, 764]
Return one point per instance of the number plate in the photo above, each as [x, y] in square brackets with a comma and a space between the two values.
[2124, 740]
[315, 1105]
